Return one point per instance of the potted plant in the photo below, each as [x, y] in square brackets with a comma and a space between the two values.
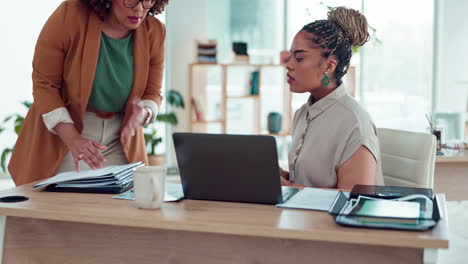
[17, 120]
[152, 137]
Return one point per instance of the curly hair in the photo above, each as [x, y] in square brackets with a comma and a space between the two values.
[344, 28]
[99, 7]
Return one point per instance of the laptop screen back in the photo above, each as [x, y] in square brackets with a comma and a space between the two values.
[236, 168]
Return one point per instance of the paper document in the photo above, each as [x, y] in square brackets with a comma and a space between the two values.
[89, 174]
[311, 199]
[173, 193]
[386, 208]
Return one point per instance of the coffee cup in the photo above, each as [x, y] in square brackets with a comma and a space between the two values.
[149, 183]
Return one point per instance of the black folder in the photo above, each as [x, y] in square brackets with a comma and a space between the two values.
[388, 192]
[351, 218]
[111, 179]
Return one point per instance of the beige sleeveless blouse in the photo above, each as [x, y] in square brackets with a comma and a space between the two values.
[325, 134]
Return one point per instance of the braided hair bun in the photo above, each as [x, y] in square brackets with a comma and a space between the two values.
[353, 23]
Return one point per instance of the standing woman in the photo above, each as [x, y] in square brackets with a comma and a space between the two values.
[97, 75]
[334, 141]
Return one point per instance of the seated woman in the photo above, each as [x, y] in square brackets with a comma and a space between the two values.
[334, 141]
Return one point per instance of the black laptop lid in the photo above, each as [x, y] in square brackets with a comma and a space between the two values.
[236, 168]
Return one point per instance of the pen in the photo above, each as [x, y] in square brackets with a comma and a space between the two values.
[429, 120]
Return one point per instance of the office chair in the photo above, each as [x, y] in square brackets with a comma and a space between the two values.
[408, 158]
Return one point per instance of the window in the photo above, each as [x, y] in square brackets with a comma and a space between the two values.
[396, 75]
[395, 80]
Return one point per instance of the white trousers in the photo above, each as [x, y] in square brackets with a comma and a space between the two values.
[105, 132]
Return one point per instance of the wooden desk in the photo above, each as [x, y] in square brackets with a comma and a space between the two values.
[93, 228]
[453, 156]
[451, 175]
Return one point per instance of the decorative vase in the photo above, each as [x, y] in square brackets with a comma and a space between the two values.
[274, 122]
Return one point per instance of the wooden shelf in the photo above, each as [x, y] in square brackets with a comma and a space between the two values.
[207, 121]
[280, 134]
[251, 65]
[200, 81]
[204, 63]
[243, 96]
[234, 64]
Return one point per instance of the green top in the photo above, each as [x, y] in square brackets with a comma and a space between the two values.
[114, 74]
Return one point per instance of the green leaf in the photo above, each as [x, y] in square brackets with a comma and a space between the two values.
[152, 140]
[155, 142]
[27, 104]
[147, 138]
[19, 124]
[170, 118]
[355, 49]
[175, 99]
[3, 158]
[8, 118]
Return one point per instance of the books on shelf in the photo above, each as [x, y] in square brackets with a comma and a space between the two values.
[254, 81]
[206, 51]
[109, 179]
[206, 59]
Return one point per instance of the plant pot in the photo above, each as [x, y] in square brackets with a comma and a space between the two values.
[156, 160]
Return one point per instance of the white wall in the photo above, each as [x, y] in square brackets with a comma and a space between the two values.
[187, 21]
[452, 86]
[20, 28]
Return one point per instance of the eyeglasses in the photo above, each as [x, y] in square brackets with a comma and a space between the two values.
[147, 4]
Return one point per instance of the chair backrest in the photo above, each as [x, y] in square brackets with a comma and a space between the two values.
[408, 158]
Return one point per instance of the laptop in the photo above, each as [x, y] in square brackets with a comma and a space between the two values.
[233, 168]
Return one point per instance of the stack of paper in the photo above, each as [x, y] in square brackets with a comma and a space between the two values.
[110, 179]
[311, 199]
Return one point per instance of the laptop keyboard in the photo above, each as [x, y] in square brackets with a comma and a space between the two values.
[288, 192]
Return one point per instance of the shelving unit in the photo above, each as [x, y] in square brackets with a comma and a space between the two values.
[200, 95]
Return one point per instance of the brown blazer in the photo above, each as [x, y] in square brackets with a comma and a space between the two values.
[64, 64]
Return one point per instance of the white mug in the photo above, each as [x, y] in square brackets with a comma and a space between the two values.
[149, 182]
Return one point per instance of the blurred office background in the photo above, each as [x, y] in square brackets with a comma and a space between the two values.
[414, 65]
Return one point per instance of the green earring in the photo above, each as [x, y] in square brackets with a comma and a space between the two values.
[325, 81]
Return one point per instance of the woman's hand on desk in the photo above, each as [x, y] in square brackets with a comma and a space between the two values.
[284, 176]
[81, 148]
[285, 182]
